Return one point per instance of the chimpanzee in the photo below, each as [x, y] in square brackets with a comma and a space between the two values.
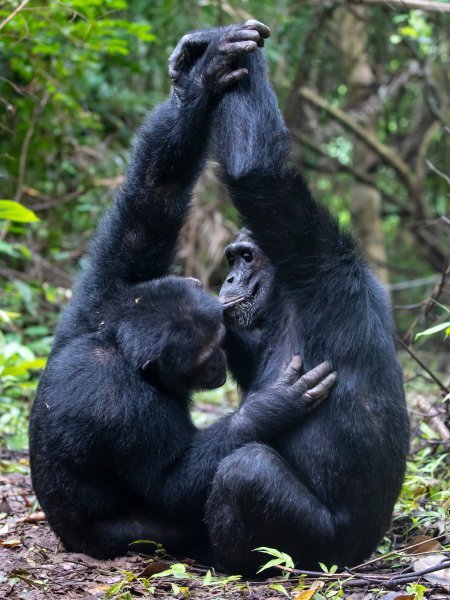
[325, 490]
[115, 457]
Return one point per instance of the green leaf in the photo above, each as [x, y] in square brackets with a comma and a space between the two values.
[333, 569]
[271, 563]
[13, 211]
[114, 589]
[281, 558]
[207, 579]
[176, 570]
[175, 589]
[24, 367]
[435, 329]
[7, 315]
[279, 588]
[409, 31]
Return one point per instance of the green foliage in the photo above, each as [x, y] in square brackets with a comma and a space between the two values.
[76, 78]
[280, 558]
[19, 366]
[13, 211]
[437, 328]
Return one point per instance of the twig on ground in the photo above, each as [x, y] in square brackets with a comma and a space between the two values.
[365, 578]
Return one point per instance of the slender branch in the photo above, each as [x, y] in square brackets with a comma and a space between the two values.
[374, 103]
[437, 291]
[364, 578]
[359, 175]
[427, 5]
[412, 283]
[436, 255]
[393, 553]
[438, 172]
[14, 13]
[443, 387]
[388, 155]
[37, 111]
[424, 146]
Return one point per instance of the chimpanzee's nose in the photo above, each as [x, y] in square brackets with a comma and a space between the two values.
[230, 279]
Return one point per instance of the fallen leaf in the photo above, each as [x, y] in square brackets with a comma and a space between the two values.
[305, 595]
[426, 544]
[153, 568]
[10, 543]
[4, 530]
[398, 596]
[98, 589]
[36, 517]
[5, 507]
[317, 585]
[441, 577]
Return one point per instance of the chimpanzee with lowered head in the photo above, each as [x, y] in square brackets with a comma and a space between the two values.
[325, 490]
[115, 457]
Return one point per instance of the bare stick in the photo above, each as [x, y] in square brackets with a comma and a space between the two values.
[26, 144]
[443, 387]
[443, 7]
[14, 13]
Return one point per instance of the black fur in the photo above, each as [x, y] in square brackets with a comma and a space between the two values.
[114, 454]
[324, 491]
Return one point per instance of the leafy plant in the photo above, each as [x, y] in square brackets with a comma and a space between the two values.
[280, 559]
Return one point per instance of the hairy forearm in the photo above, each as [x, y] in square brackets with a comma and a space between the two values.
[141, 230]
[271, 195]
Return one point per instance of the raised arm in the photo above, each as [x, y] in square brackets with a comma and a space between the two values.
[137, 238]
[252, 144]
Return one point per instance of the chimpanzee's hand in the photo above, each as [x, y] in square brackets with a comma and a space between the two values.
[288, 400]
[308, 390]
[219, 50]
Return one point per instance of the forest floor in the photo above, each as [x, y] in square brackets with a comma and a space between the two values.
[34, 565]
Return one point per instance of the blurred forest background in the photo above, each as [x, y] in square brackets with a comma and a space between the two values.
[365, 89]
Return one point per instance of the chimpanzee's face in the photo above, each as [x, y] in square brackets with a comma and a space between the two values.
[245, 291]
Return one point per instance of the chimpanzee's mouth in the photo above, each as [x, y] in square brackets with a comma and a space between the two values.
[235, 300]
[229, 302]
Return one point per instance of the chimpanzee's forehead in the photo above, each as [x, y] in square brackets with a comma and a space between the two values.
[243, 235]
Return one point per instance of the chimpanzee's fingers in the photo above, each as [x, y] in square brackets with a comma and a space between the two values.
[239, 35]
[292, 372]
[313, 377]
[177, 56]
[233, 50]
[262, 29]
[321, 390]
[231, 78]
[181, 50]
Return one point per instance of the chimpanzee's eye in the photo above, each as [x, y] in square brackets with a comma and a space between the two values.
[230, 260]
[247, 256]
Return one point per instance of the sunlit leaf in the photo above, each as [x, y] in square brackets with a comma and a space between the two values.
[13, 211]
[279, 588]
[435, 329]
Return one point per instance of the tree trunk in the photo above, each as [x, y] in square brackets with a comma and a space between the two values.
[349, 26]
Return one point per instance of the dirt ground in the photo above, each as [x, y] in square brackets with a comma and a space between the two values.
[33, 565]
